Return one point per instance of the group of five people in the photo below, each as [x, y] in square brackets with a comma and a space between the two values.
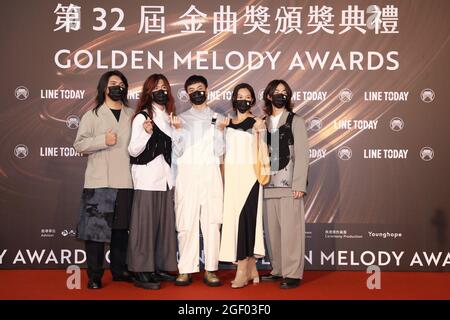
[154, 181]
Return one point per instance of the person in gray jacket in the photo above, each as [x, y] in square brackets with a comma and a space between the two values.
[284, 212]
[103, 135]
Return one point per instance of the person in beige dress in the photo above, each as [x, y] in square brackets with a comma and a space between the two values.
[242, 229]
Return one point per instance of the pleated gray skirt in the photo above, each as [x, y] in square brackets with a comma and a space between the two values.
[152, 244]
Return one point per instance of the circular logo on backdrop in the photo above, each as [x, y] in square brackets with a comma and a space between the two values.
[68, 232]
[426, 153]
[427, 95]
[22, 93]
[396, 124]
[344, 153]
[21, 151]
[315, 124]
[345, 95]
[182, 95]
[72, 121]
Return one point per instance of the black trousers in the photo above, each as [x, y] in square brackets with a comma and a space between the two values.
[95, 252]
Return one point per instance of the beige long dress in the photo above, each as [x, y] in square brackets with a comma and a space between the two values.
[242, 228]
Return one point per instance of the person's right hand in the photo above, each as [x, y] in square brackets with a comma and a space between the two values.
[175, 121]
[110, 138]
[148, 125]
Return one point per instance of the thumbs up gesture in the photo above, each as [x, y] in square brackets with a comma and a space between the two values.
[110, 138]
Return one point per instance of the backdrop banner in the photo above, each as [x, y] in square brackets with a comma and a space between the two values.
[370, 78]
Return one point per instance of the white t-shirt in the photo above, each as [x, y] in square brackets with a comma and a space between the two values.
[274, 120]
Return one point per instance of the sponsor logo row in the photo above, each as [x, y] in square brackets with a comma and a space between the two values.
[345, 153]
[427, 95]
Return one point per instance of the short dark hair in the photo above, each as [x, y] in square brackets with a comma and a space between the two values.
[195, 79]
[270, 89]
[243, 86]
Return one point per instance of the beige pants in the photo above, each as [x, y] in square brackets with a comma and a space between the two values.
[284, 227]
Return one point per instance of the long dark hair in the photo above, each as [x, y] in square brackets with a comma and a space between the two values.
[243, 86]
[270, 89]
[103, 84]
[146, 99]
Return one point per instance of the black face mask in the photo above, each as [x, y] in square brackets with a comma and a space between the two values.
[279, 100]
[242, 105]
[160, 97]
[116, 93]
[198, 97]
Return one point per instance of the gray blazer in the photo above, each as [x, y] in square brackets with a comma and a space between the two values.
[107, 166]
[301, 150]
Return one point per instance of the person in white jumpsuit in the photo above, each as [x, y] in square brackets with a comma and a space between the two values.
[198, 145]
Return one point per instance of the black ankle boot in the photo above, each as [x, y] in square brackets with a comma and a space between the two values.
[125, 277]
[289, 283]
[164, 276]
[146, 280]
[94, 284]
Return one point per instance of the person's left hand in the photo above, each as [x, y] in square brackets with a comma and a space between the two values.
[224, 123]
[297, 194]
[259, 125]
